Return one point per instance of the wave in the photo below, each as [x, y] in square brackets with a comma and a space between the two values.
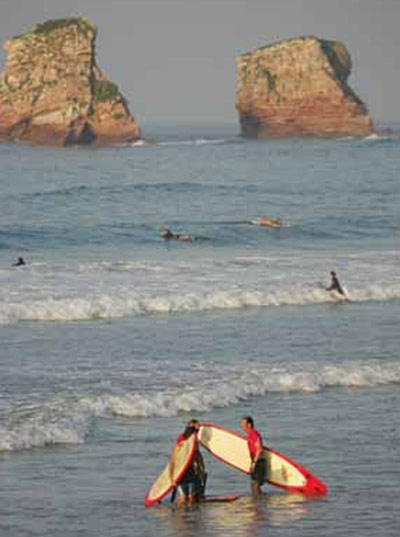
[196, 141]
[68, 420]
[127, 303]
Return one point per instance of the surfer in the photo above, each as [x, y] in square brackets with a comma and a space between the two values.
[265, 221]
[258, 467]
[191, 486]
[20, 261]
[335, 285]
[167, 235]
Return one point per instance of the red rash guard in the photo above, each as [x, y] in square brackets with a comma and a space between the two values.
[253, 437]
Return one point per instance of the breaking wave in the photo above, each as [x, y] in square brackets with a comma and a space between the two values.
[128, 303]
[68, 420]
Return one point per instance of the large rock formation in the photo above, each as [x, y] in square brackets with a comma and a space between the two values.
[53, 93]
[299, 88]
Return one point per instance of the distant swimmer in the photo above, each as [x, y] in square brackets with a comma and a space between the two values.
[335, 285]
[20, 261]
[168, 235]
[265, 221]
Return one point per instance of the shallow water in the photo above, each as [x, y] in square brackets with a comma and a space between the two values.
[112, 338]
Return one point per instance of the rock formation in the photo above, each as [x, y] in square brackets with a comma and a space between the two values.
[52, 92]
[299, 88]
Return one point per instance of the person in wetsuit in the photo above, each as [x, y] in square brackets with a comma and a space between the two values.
[168, 235]
[191, 486]
[335, 285]
[20, 261]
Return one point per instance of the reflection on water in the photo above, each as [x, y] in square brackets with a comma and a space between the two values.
[245, 517]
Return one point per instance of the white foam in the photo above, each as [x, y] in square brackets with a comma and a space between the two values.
[128, 303]
[38, 432]
[67, 421]
[198, 141]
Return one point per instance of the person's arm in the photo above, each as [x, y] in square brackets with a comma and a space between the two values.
[257, 454]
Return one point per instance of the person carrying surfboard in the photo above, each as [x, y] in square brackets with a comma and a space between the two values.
[258, 469]
[191, 486]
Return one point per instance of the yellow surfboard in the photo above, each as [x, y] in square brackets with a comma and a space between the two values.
[163, 484]
[231, 448]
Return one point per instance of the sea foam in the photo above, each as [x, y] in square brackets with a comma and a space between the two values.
[122, 304]
[67, 420]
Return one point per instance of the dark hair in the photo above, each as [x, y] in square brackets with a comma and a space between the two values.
[249, 420]
[187, 433]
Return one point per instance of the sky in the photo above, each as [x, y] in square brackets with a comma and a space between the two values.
[174, 60]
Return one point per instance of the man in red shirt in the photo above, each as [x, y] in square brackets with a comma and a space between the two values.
[258, 469]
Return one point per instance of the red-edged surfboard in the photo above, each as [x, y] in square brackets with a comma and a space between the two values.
[231, 448]
[219, 499]
[163, 484]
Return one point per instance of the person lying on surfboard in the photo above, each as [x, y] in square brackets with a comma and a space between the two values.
[265, 221]
[168, 235]
[258, 465]
[191, 486]
[335, 285]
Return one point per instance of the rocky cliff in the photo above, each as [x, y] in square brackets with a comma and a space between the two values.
[299, 88]
[53, 93]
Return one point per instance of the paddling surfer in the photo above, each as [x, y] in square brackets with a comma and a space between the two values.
[265, 221]
[168, 235]
[258, 469]
[191, 486]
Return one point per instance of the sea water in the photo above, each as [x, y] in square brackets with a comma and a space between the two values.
[111, 338]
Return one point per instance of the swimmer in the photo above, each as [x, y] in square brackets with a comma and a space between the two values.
[265, 221]
[19, 263]
[167, 234]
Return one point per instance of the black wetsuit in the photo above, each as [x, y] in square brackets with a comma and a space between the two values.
[335, 286]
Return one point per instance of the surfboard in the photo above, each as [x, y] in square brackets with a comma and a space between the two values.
[163, 484]
[219, 499]
[338, 296]
[231, 448]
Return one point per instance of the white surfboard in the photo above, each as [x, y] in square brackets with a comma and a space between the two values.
[232, 448]
[163, 484]
[338, 296]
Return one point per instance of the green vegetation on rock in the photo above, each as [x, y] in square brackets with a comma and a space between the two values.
[49, 26]
[104, 90]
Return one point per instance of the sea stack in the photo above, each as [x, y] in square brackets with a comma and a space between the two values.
[299, 87]
[53, 93]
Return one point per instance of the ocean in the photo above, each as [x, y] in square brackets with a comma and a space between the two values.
[112, 338]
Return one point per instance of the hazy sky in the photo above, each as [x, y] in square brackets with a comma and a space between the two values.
[174, 60]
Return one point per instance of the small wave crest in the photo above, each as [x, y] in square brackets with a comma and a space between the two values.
[39, 431]
[197, 141]
[67, 421]
[122, 304]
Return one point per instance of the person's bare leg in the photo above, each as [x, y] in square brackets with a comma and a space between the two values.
[181, 500]
[255, 489]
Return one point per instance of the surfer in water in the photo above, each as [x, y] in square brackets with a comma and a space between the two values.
[265, 221]
[20, 261]
[168, 235]
[258, 470]
[191, 486]
[335, 285]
